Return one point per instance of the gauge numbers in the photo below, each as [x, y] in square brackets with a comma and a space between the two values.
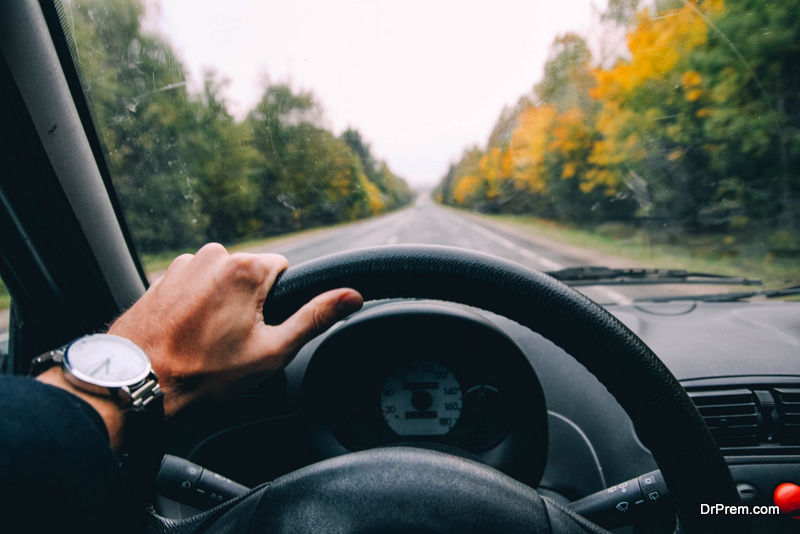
[421, 398]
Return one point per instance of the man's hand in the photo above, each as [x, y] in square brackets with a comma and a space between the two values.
[202, 324]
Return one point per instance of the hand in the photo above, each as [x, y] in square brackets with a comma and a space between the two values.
[202, 324]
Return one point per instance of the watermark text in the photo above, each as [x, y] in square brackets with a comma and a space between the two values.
[712, 509]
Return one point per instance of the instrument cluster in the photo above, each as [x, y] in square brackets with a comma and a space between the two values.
[426, 374]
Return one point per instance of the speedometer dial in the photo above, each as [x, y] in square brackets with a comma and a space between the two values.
[421, 398]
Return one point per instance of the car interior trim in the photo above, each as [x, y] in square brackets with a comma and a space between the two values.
[28, 48]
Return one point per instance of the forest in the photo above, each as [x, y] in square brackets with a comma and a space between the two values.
[693, 122]
[186, 171]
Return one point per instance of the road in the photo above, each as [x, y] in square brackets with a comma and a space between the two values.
[427, 223]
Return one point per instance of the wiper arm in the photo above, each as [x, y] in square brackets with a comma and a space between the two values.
[731, 297]
[592, 276]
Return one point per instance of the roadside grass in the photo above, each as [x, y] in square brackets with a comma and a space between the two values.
[729, 253]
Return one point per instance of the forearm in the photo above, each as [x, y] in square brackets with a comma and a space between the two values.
[58, 473]
[113, 416]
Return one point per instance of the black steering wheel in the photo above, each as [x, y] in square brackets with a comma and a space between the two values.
[418, 490]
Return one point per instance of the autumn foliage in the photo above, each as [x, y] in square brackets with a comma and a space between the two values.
[698, 120]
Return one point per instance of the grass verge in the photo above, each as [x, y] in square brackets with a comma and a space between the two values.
[731, 254]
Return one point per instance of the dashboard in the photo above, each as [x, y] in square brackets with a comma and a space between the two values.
[462, 380]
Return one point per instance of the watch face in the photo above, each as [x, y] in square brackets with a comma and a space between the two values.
[107, 360]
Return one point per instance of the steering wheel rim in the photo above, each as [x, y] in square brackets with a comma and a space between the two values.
[691, 462]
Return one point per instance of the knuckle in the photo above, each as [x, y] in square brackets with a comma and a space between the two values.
[181, 260]
[242, 266]
[282, 261]
[212, 249]
[276, 261]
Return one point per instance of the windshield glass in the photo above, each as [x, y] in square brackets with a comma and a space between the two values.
[623, 134]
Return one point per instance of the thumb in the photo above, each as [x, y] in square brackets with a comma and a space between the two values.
[314, 318]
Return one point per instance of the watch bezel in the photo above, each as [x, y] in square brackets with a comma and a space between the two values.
[104, 387]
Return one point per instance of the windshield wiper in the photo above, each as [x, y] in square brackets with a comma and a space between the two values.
[592, 276]
[731, 297]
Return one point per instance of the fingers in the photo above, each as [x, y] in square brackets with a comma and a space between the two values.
[259, 269]
[314, 318]
[256, 270]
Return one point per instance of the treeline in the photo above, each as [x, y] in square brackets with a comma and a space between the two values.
[187, 172]
[697, 122]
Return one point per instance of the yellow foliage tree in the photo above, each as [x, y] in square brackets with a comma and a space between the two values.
[529, 144]
[641, 118]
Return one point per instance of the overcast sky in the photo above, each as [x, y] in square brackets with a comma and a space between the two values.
[421, 79]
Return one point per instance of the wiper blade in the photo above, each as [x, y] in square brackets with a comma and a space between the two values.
[592, 276]
[731, 297]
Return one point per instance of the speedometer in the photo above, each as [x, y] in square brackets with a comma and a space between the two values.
[421, 398]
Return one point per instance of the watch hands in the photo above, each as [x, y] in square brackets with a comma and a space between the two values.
[105, 363]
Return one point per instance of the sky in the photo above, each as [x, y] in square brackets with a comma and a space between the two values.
[420, 79]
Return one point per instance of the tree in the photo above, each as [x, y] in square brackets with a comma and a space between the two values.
[219, 153]
[142, 108]
[391, 190]
[648, 128]
[186, 171]
[568, 77]
[750, 106]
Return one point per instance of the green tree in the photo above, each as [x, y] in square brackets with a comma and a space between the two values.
[142, 109]
[568, 77]
[219, 153]
[186, 171]
[394, 191]
[751, 106]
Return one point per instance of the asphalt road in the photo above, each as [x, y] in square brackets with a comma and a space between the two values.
[427, 223]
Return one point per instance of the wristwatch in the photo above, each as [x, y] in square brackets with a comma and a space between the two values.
[116, 367]
[106, 365]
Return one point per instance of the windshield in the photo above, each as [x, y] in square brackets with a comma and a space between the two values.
[626, 134]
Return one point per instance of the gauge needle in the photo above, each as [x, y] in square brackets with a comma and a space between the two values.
[105, 363]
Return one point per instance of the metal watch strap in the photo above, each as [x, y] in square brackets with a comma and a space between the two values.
[143, 393]
[136, 397]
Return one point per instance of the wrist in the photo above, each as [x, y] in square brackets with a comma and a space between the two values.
[110, 411]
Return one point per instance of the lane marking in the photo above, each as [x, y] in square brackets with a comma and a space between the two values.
[392, 240]
[541, 260]
[550, 265]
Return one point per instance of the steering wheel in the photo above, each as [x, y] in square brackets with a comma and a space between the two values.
[419, 490]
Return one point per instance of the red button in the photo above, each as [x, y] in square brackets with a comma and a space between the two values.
[787, 497]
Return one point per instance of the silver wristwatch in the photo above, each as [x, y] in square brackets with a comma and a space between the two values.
[107, 365]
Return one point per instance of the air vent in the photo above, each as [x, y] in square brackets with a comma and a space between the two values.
[731, 415]
[788, 408]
